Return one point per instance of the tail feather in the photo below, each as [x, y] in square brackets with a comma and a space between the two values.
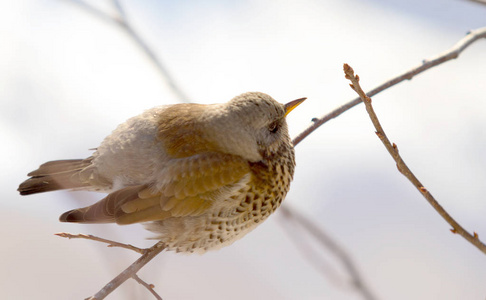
[55, 175]
[60, 166]
[107, 210]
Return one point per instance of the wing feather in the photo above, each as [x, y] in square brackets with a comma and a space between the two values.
[187, 187]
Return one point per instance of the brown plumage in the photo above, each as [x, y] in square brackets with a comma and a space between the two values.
[199, 176]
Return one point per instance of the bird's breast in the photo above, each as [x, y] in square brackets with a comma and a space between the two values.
[231, 219]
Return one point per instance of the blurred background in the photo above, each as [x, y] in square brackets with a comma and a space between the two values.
[69, 76]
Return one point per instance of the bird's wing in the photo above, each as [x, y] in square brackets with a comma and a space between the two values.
[187, 187]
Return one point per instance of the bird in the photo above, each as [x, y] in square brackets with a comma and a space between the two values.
[199, 176]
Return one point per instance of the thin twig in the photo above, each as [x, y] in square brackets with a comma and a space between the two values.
[149, 287]
[102, 240]
[122, 21]
[149, 254]
[327, 242]
[402, 167]
[452, 53]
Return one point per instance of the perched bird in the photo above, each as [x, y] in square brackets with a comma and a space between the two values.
[199, 176]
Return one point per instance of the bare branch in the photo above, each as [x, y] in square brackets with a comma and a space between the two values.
[402, 167]
[328, 243]
[129, 272]
[147, 255]
[122, 21]
[452, 53]
[102, 240]
[318, 233]
[149, 287]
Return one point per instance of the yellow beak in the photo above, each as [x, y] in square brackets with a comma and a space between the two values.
[293, 104]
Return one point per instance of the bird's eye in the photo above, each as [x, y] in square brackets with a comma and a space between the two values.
[273, 127]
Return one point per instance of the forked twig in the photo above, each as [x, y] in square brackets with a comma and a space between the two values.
[452, 53]
[149, 287]
[403, 168]
[129, 272]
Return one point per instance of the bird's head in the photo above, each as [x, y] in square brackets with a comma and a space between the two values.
[253, 125]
